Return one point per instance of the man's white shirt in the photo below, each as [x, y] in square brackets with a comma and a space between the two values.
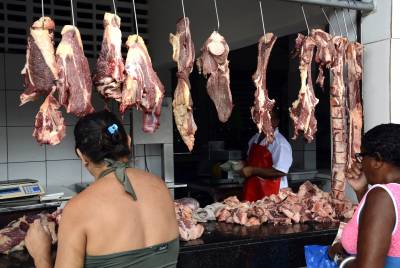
[281, 152]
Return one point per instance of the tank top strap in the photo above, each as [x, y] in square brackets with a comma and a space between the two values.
[393, 190]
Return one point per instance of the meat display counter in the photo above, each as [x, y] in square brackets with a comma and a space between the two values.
[231, 245]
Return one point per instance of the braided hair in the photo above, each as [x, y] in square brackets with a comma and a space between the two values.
[384, 140]
[101, 135]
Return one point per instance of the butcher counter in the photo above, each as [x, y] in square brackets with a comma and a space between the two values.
[230, 245]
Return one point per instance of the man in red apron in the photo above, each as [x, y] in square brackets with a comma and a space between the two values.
[267, 164]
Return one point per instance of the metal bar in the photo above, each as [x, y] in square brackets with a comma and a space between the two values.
[360, 5]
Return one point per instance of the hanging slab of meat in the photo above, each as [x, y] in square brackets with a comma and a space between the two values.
[324, 54]
[354, 75]
[183, 55]
[214, 64]
[142, 87]
[302, 111]
[261, 111]
[339, 126]
[74, 84]
[12, 237]
[40, 71]
[109, 73]
[49, 123]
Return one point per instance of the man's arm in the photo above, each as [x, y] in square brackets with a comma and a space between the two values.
[265, 173]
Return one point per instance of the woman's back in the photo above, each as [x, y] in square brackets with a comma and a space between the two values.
[114, 222]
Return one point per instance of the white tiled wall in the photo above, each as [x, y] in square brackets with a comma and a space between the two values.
[376, 79]
[377, 25]
[395, 19]
[395, 79]
[22, 157]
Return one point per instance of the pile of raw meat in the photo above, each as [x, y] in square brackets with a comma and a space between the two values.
[12, 237]
[337, 54]
[189, 229]
[65, 72]
[310, 204]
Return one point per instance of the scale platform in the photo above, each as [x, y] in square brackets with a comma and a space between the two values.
[21, 195]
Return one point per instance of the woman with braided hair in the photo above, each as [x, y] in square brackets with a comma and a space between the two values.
[126, 218]
[372, 236]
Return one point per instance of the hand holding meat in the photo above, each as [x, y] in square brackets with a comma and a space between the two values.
[38, 243]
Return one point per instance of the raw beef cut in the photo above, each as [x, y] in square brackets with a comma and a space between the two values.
[263, 105]
[310, 204]
[354, 75]
[183, 55]
[214, 64]
[188, 227]
[74, 84]
[302, 111]
[12, 237]
[40, 71]
[324, 54]
[109, 72]
[339, 125]
[142, 87]
[49, 123]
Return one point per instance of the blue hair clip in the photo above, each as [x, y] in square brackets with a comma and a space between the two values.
[112, 129]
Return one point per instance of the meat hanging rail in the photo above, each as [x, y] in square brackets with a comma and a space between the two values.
[353, 4]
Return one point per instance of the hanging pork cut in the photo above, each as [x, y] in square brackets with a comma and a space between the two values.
[324, 54]
[183, 55]
[339, 125]
[355, 117]
[49, 123]
[302, 111]
[263, 105]
[214, 64]
[74, 84]
[142, 87]
[40, 71]
[109, 72]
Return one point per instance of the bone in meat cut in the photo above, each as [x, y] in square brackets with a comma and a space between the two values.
[109, 72]
[40, 70]
[142, 87]
[261, 111]
[302, 111]
[183, 55]
[49, 123]
[338, 118]
[324, 54]
[214, 64]
[75, 83]
[354, 75]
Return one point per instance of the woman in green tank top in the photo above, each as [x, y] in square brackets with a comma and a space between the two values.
[126, 218]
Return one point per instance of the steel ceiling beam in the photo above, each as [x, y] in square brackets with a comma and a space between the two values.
[350, 4]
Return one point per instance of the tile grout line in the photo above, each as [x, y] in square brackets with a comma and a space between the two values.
[5, 107]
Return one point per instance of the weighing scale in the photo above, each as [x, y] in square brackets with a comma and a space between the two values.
[24, 194]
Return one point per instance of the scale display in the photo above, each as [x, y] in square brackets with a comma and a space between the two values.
[20, 188]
